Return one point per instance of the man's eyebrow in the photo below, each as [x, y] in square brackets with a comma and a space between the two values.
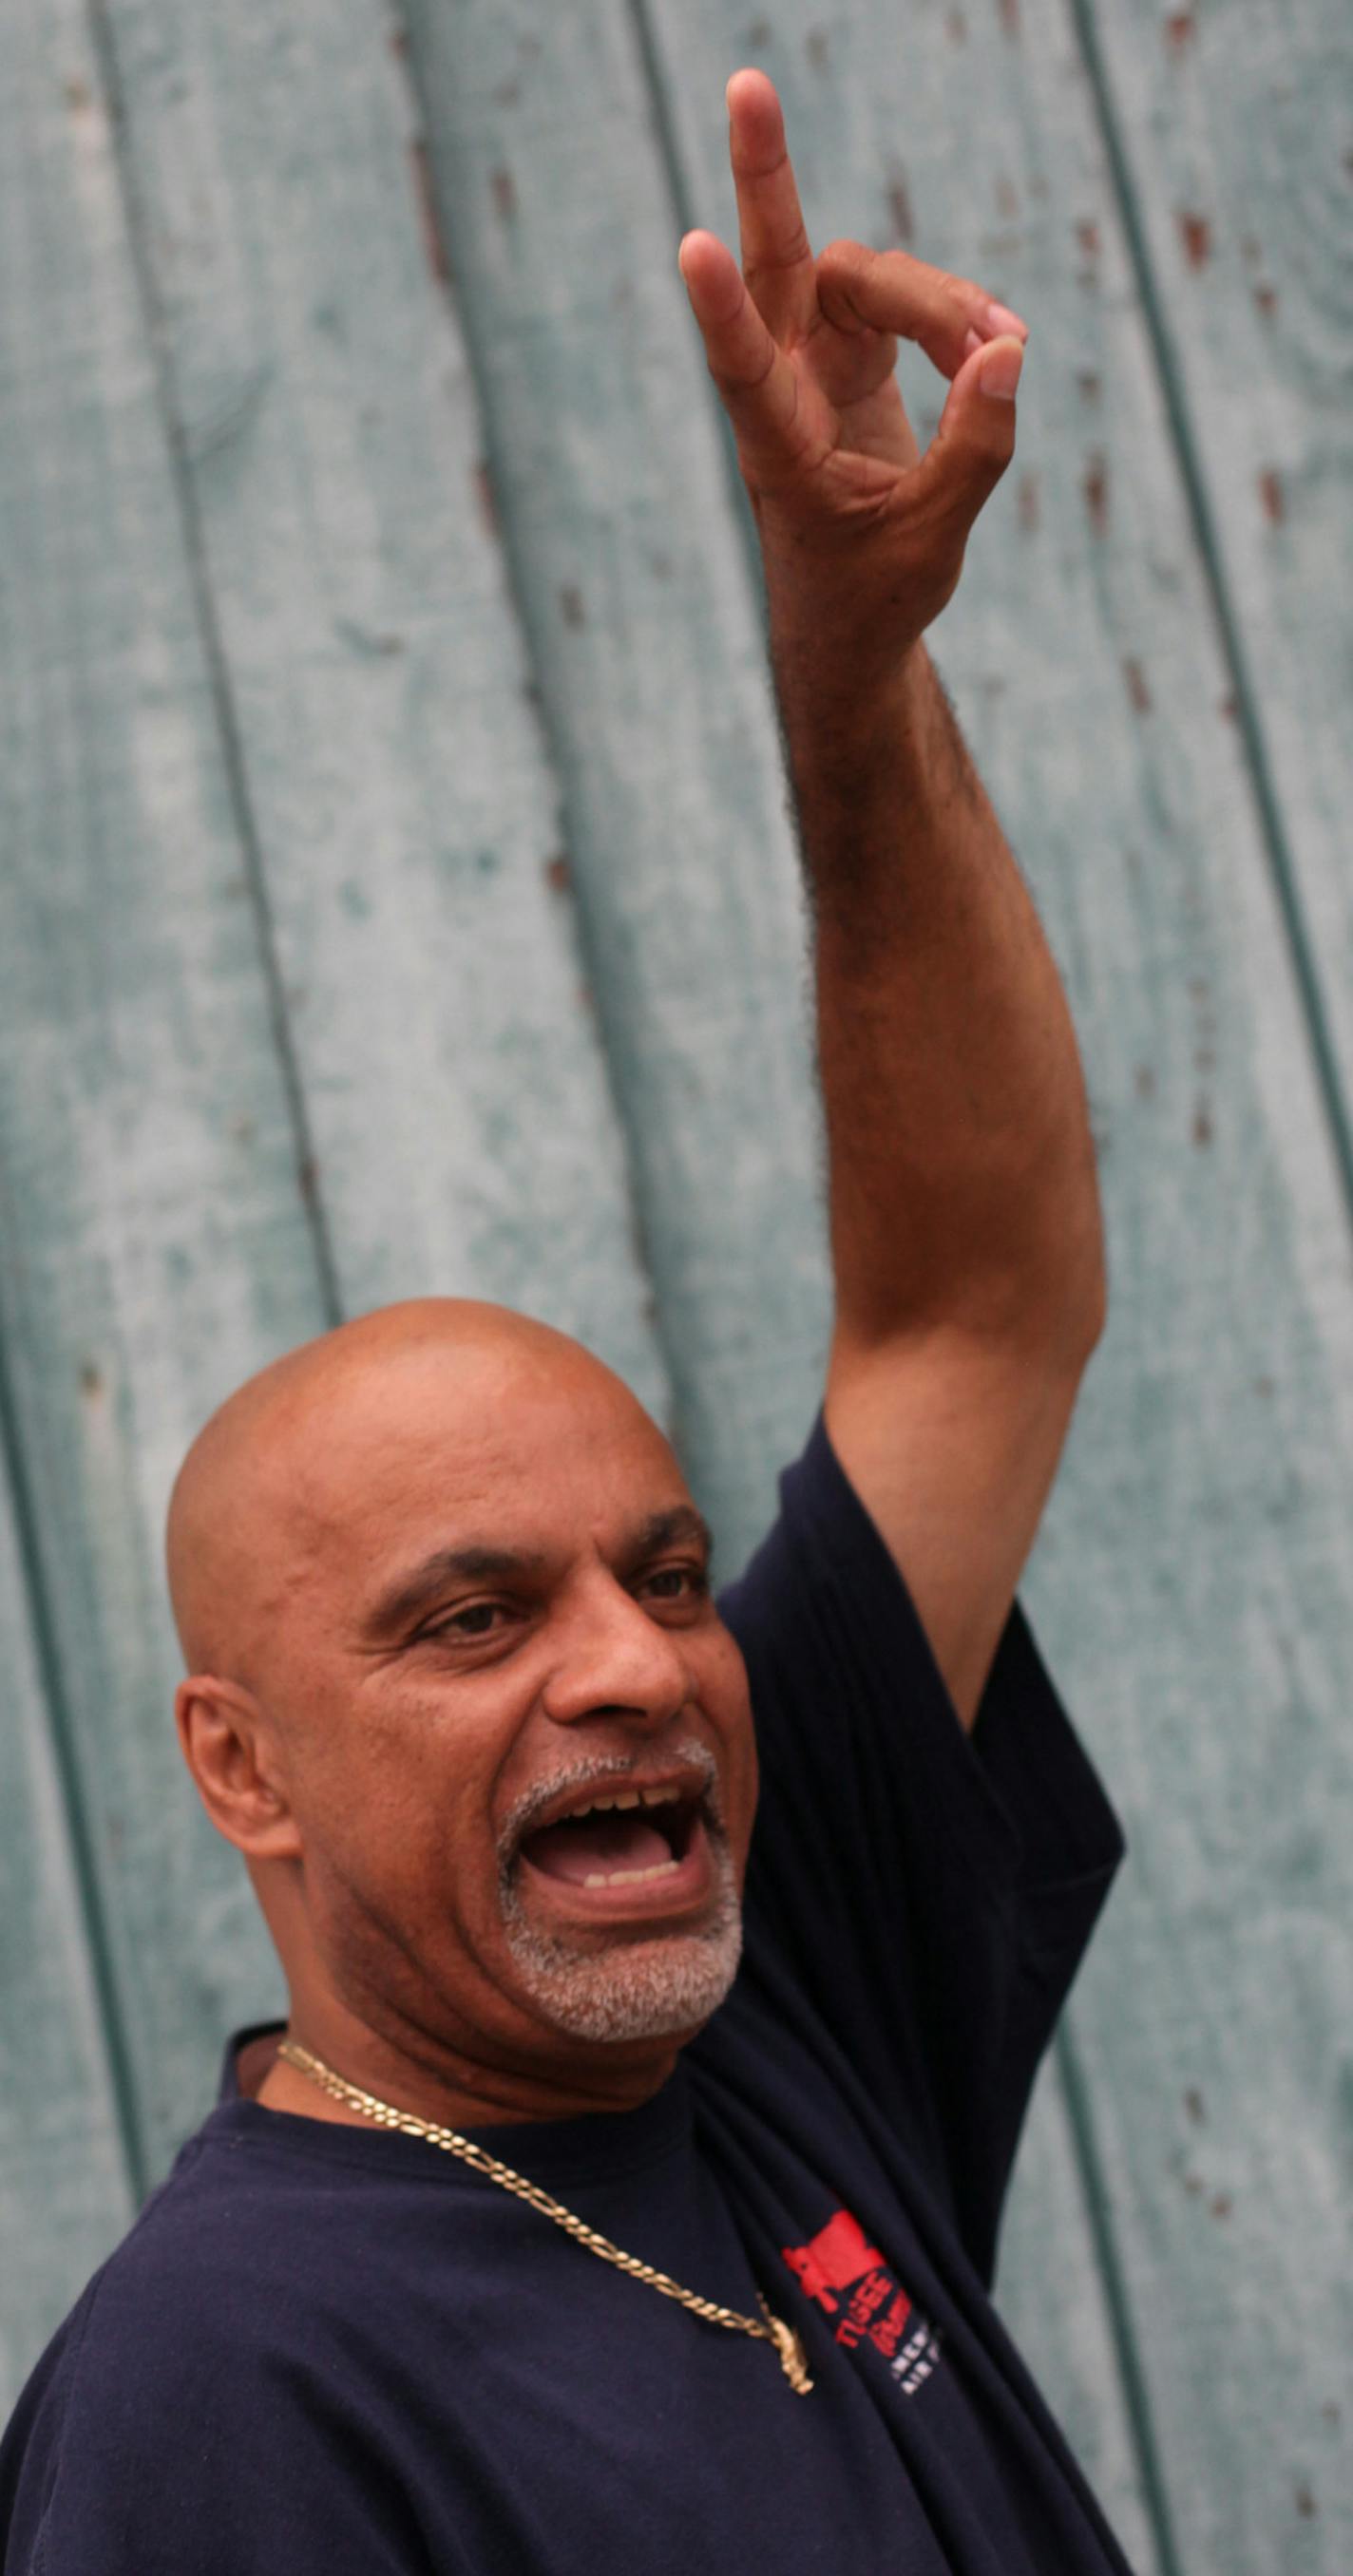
[476, 1562]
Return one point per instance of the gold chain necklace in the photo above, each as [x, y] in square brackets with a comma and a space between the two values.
[792, 2357]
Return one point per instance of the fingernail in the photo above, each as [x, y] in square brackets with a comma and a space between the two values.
[974, 341]
[1000, 318]
[1000, 375]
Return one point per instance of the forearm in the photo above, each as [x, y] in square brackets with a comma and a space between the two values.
[962, 1185]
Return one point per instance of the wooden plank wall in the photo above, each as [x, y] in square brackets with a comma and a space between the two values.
[398, 893]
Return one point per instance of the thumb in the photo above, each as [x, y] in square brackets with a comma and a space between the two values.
[975, 439]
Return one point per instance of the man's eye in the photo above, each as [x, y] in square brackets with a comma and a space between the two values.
[473, 1610]
[454, 1621]
[692, 1574]
[471, 1623]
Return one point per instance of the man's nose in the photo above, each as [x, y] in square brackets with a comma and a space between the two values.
[616, 1661]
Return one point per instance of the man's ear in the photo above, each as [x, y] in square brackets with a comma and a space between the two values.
[230, 1751]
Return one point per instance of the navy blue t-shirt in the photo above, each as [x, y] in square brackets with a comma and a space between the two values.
[343, 2353]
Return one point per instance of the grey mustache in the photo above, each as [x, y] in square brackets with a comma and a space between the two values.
[688, 1755]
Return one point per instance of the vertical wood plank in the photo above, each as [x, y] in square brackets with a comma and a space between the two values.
[1234, 159]
[65, 2192]
[394, 770]
[154, 1236]
[1052, 2295]
[1229, 135]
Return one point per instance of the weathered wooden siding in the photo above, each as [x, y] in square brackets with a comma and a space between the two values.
[399, 893]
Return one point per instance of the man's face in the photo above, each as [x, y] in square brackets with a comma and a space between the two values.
[493, 1614]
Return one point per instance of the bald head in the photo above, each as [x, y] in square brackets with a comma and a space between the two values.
[287, 1459]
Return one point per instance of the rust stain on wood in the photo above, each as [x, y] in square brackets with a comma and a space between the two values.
[1096, 489]
[1304, 2498]
[1266, 297]
[571, 605]
[1009, 10]
[1271, 494]
[1196, 234]
[558, 874]
[1029, 503]
[1180, 30]
[91, 1380]
[504, 194]
[1137, 688]
[1227, 706]
[1007, 197]
[900, 208]
[399, 41]
[956, 27]
[307, 1175]
[1087, 234]
[817, 47]
[1088, 385]
[488, 503]
[1202, 1124]
[1144, 1082]
[433, 244]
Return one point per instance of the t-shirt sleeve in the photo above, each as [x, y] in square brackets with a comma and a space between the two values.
[932, 1892]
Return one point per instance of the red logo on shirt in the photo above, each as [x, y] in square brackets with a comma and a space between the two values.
[832, 2259]
[850, 2280]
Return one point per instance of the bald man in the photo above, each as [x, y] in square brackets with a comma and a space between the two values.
[667, 1968]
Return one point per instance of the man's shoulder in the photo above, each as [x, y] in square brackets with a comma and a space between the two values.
[127, 2315]
[180, 2291]
[147, 2328]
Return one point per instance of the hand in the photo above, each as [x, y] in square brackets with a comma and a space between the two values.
[863, 537]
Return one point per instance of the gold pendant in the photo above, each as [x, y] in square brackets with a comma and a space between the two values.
[793, 2358]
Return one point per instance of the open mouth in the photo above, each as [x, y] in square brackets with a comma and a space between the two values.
[635, 1847]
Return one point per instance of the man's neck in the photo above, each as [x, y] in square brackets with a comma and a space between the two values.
[495, 2099]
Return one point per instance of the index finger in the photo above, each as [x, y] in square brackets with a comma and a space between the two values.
[781, 418]
[777, 260]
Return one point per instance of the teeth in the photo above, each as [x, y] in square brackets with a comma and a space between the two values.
[627, 1798]
[630, 1877]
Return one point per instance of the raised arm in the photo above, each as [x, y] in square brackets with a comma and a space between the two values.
[966, 1238]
